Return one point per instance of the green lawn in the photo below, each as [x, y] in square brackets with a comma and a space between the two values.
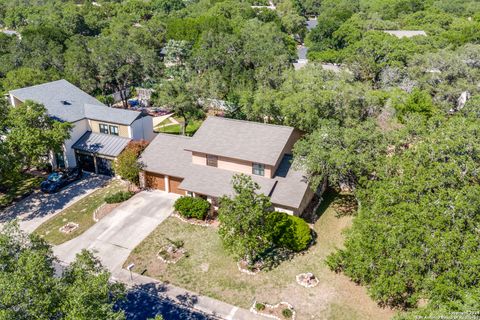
[192, 127]
[208, 270]
[18, 188]
[81, 212]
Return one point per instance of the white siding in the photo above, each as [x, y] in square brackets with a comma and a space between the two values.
[143, 129]
[78, 130]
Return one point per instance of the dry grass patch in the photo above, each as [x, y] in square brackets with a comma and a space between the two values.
[81, 213]
[335, 297]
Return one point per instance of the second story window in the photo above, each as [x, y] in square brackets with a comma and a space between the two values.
[212, 161]
[103, 128]
[108, 129]
[258, 169]
[113, 130]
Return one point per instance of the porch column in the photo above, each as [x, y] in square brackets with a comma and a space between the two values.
[95, 164]
[167, 185]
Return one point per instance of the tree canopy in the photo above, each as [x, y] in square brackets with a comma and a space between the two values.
[31, 289]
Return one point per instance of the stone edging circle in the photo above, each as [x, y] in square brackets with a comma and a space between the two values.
[298, 276]
[288, 305]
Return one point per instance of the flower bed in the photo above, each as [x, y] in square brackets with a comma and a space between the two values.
[279, 311]
[104, 210]
[172, 252]
[69, 227]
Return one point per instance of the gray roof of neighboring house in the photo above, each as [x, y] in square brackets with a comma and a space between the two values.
[66, 102]
[101, 144]
[115, 115]
[405, 33]
[244, 140]
[166, 154]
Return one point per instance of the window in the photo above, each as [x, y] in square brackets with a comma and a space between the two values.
[108, 129]
[212, 161]
[113, 130]
[103, 128]
[258, 169]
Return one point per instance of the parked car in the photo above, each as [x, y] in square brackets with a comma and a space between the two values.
[59, 179]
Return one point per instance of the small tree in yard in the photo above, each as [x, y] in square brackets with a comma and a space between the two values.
[127, 165]
[243, 220]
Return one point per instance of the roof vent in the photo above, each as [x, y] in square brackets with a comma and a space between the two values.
[66, 103]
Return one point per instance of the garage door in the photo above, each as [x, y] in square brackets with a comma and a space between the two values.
[173, 185]
[155, 181]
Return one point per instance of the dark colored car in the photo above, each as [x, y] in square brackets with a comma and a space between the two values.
[59, 179]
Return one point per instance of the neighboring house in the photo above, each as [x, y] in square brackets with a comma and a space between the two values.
[204, 164]
[405, 33]
[99, 133]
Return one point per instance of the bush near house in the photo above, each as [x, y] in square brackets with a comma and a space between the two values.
[127, 165]
[118, 197]
[290, 232]
[190, 207]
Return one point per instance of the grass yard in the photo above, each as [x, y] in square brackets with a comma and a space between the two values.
[208, 270]
[17, 189]
[192, 127]
[81, 212]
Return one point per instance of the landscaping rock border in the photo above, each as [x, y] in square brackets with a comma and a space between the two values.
[194, 222]
[69, 227]
[102, 206]
[286, 304]
[246, 271]
[298, 277]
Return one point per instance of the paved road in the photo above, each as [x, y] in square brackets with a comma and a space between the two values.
[39, 207]
[115, 236]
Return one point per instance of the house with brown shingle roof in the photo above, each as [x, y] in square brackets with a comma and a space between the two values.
[203, 165]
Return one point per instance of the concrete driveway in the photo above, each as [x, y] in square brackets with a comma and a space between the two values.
[115, 236]
[39, 207]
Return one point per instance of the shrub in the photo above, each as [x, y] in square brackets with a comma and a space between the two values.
[259, 306]
[290, 232]
[118, 197]
[190, 207]
[287, 313]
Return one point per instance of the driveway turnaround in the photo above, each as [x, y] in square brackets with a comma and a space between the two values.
[115, 236]
[39, 207]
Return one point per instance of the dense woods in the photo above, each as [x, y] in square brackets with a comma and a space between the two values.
[399, 124]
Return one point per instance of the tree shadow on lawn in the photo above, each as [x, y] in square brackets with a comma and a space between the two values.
[148, 300]
[40, 204]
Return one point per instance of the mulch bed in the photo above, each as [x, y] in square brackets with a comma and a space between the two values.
[104, 210]
[196, 222]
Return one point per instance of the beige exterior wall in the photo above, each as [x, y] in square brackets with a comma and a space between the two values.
[230, 164]
[122, 130]
[199, 158]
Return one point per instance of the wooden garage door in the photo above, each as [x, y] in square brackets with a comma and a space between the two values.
[173, 185]
[155, 181]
